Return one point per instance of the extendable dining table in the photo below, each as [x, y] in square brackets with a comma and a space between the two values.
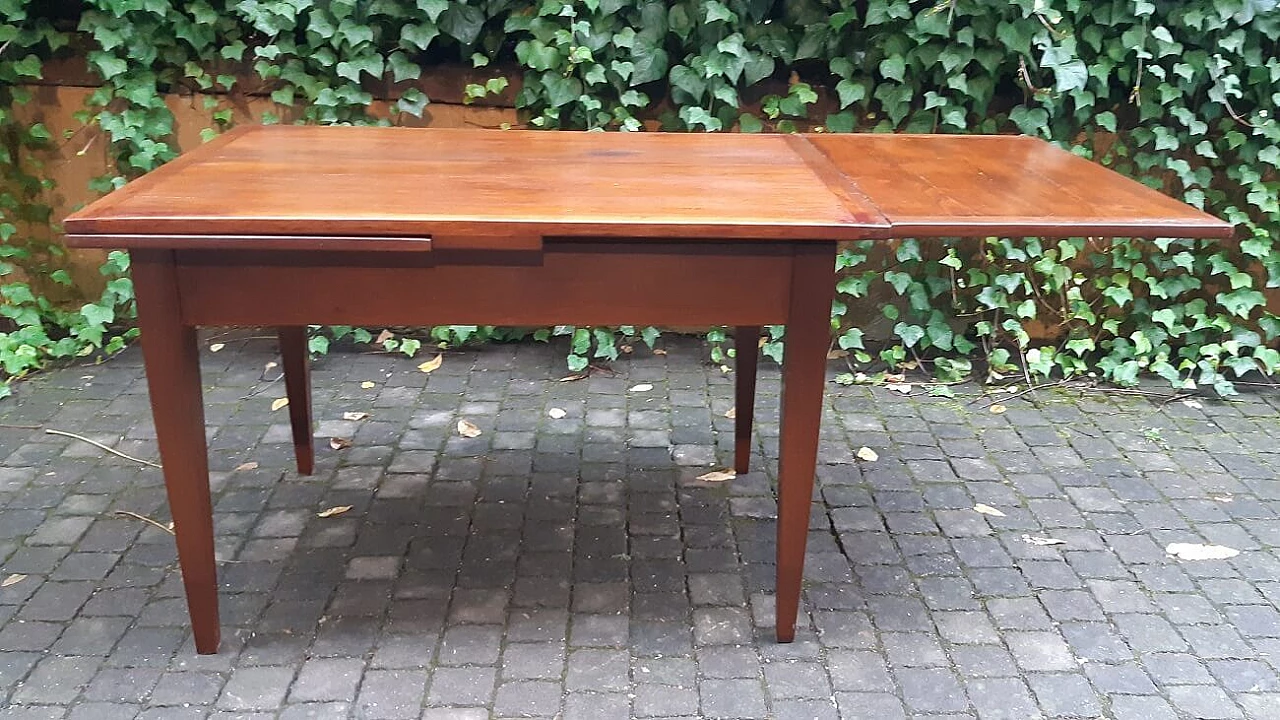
[288, 226]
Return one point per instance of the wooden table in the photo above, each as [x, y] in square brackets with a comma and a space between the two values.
[290, 226]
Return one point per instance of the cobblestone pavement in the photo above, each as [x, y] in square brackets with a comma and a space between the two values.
[574, 567]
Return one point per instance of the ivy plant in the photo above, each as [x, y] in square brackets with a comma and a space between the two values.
[1181, 96]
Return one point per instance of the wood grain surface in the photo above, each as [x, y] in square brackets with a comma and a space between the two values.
[292, 187]
[357, 181]
[1011, 186]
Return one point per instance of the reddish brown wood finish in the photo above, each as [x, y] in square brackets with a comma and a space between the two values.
[289, 226]
[295, 362]
[587, 283]
[746, 352]
[478, 187]
[353, 181]
[804, 364]
[979, 185]
[173, 380]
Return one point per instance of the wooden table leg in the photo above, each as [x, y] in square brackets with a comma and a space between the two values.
[296, 360]
[172, 360]
[803, 378]
[746, 340]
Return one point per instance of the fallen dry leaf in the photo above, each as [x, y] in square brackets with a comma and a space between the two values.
[384, 336]
[432, 364]
[366, 385]
[557, 413]
[642, 387]
[216, 347]
[1196, 551]
[338, 443]
[716, 476]
[271, 365]
[866, 453]
[1033, 540]
[732, 414]
[659, 351]
[988, 510]
[837, 354]
[573, 377]
[251, 465]
[278, 403]
[466, 428]
[904, 388]
[355, 415]
[12, 580]
[998, 409]
[894, 378]
[338, 510]
[625, 349]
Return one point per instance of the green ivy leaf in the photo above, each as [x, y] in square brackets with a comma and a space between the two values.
[689, 81]
[433, 8]
[97, 314]
[402, 68]
[418, 36]
[894, 68]
[370, 64]
[318, 344]
[650, 63]
[909, 334]
[462, 22]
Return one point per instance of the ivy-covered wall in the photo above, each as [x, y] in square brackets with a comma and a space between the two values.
[1179, 94]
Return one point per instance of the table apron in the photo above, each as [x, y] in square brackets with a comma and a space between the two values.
[578, 283]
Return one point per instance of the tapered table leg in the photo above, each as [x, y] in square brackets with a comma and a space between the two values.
[173, 379]
[803, 378]
[747, 354]
[296, 360]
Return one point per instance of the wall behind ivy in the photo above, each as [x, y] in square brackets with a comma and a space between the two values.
[1179, 94]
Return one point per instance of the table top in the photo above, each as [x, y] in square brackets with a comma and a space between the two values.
[298, 185]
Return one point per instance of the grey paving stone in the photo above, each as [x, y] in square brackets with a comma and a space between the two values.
[732, 699]
[598, 670]
[529, 661]
[391, 694]
[1001, 698]
[186, 687]
[474, 587]
[591, 706]
[471, 645]
[599, 630]
[1065, 695]
[865, 706]
[664, 701]
[1040, 651]
[728, 662]
[801, 680]
[122, 685]
[327, 679]
[256, 688]
[527, 698]
[56, 680]
[1210, 703]
[721, 626]
[931, 690]
[461, 686]
[315, 711]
